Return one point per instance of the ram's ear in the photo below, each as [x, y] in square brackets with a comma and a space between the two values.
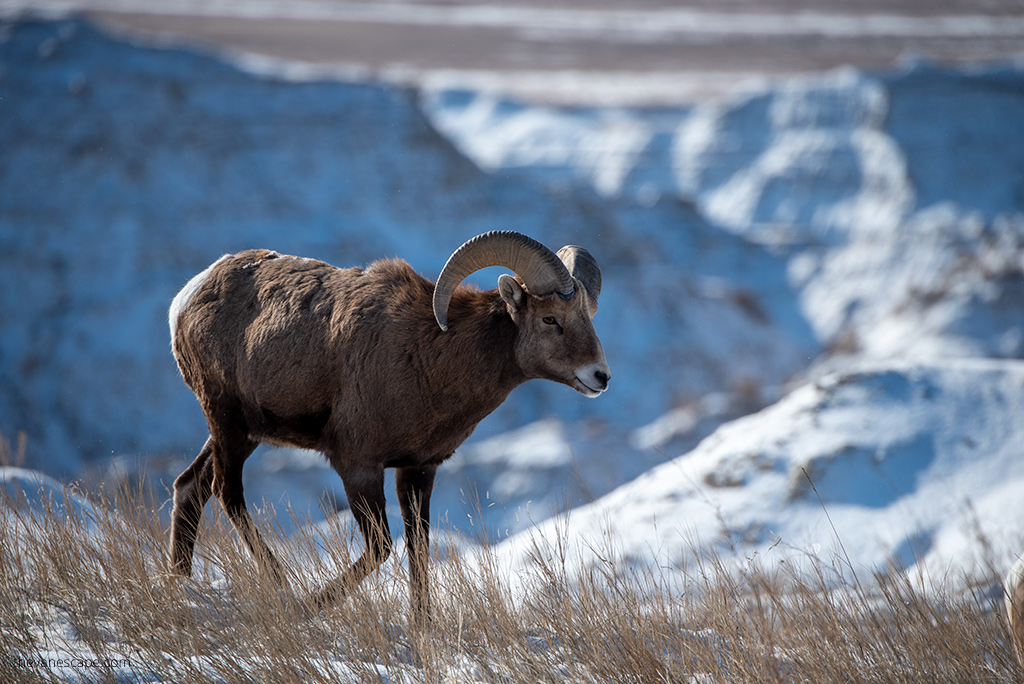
[512, 292]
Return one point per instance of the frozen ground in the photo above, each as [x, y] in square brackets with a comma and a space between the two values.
[838, 258]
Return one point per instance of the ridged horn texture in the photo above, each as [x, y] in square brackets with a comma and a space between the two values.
[583, 267]
[540, 269]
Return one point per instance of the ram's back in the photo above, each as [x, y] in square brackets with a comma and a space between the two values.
[286, 338]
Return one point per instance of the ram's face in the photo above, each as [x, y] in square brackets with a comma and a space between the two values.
[556, 339]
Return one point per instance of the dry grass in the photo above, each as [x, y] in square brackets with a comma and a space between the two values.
[87, 596]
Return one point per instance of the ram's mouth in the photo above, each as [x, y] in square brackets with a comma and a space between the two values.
[585, 389]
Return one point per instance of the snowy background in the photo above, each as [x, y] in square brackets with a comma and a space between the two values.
[819, 280]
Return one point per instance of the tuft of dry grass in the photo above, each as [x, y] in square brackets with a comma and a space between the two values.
[83, 598]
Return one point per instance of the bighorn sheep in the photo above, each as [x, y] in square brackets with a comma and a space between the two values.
[363, 366]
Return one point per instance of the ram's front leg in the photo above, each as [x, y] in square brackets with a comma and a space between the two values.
[364, 488]
[414, 486]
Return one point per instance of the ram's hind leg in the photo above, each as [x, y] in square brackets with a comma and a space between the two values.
[229, 457]
[192, 490]
[231, 445]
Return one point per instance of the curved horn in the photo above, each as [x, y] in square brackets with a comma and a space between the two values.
[583, 267]
[540, 268]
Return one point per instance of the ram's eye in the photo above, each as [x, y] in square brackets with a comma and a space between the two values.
[550, 320]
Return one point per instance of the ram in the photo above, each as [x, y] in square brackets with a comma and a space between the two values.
[364, 366]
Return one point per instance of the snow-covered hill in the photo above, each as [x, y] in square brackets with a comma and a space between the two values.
[886, 465]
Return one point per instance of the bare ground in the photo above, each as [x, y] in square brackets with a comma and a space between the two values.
[583, 51]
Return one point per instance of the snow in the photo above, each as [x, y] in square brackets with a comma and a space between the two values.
[35, 497]
[811, 307]
[904, 464]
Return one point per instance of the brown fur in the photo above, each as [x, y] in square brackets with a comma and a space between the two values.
[351, 362]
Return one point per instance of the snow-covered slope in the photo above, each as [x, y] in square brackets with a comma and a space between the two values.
[34, 497]
[900, 464]
[822, 156]
[810, 157]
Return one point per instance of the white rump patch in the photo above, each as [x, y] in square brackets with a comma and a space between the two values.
[182, 299]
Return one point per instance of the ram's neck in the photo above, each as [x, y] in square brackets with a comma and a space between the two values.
[474, 358]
